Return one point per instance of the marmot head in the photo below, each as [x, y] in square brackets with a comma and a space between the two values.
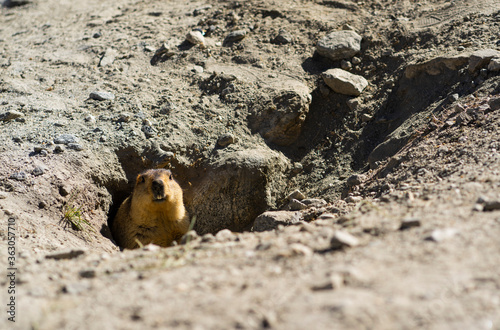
[155, 186]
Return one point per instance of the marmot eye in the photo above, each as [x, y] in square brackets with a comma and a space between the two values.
[141, 179]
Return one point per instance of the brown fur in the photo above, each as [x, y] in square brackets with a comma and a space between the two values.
[151, 214]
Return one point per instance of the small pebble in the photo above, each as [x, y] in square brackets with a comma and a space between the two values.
[102, 96]
[297, 194]
[195, 37]
[65, 139]
[346, 65]
[283, 38]
[353, 199]
[343, 239]
[58, 150]
[67, 254]
[42, 205]
[38, 171]
[354, 180]
[439, 235]
[224, 235]
[10, 115]
[296, 205]
[75, 146]
[225, 140]
[87, 273]
[235, 36]
[149, 131]
[409, 223]
[327, 216]
[90, 119]
[19, 176]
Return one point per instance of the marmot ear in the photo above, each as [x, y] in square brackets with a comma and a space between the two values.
[170, 176]
[140, 179]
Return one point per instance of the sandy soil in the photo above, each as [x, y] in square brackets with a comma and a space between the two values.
[409, 170]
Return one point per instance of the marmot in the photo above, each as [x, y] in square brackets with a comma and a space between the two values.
[153, 213]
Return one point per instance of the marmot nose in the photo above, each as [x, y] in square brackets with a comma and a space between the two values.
[158, 187]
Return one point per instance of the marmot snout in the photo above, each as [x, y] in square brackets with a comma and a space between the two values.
[153, 213]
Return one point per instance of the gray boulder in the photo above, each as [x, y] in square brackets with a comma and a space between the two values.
[237, 187]
[339, 45]
[344, 82]
[272, 219]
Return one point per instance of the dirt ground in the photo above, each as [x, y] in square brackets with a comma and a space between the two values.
[403, 226]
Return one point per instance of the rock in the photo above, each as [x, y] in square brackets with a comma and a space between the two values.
[10, 115]
[57, 150]
[108, 58]
[235, 36]
[195, 37]
[151, 247]
[409, 223]
[16, 3]
[125, 117]
[65, 139]
[489, 204]
[197, 69]
[272, 219]
[75, 146]
[42, 205]
[439, 235]
[38, 171]
[102, 96]
[224, 235]
[226, 139]
[353, 199]
[494, 65]
[494, 103]
[327, 217]
[344, 82]
[334, 281]
[481, 58]
[149, 131]
[87, 273]
[283, 38]
[19, 176]
[3, 195]
[90, 119]
[296, 195]
[281, 122]
[67, 254]
[314, 202]
[343, 239]
[165, 50]
[64, 191]
[356, 60]
[339, 45]
[236, 188]
[295, 205]
[436, 66]
[345, 65]
[354, 180]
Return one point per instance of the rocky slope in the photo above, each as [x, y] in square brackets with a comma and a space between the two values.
[383, 114]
